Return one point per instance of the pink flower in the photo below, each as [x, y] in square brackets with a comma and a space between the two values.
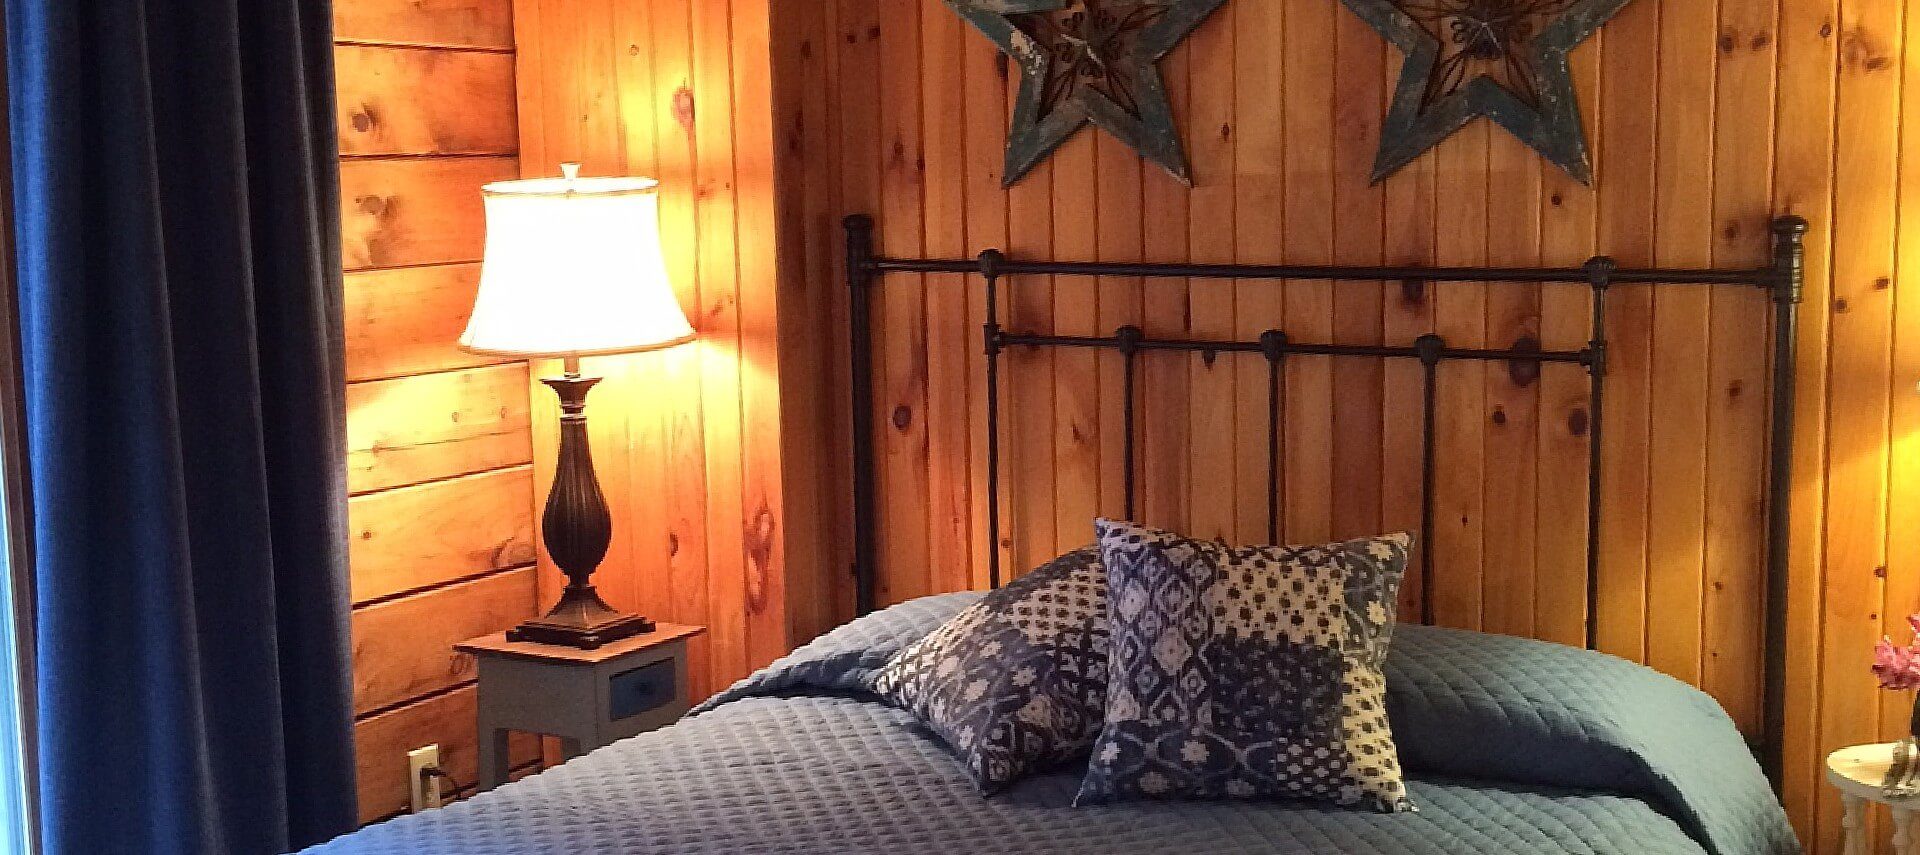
[1898, 667]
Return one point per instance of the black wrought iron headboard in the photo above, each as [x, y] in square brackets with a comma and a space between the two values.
[1783, 279]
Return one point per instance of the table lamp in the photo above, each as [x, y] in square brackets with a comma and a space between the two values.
[573, 267]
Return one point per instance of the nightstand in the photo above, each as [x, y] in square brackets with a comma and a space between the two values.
[587, 698]
[1857, 772]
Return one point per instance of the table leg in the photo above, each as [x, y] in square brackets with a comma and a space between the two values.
[1853, 821]
[1902, 831]
[495, 761]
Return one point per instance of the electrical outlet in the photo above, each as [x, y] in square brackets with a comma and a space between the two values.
[424, 786]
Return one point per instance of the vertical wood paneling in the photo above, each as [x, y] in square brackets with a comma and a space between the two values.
[694, 444]
[902, 373]
[1737, 362]
[1804, 185]
[951, 339]
[1217, 459]
[1076, 380]
[1865, 197]
[1625, 152]
[1165, 462]
[1359, 234]
[1704, 119]
[1258, 183]
[1460, 317]
[1683, 210]
[1306, 202]
[985, 93]
[1568, 220]
[1411, 206]
[1512, 410]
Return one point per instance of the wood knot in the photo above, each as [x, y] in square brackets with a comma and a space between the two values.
[371, 204]
[1577, 421]
[683, 108]
[760, 530]
[902, 417]
[1524, 372]
[1499, 415]
[1860, 50]
[363, 119]
[1413, 292]
[1736, 388]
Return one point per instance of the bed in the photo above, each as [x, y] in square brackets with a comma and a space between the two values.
[1514, 746]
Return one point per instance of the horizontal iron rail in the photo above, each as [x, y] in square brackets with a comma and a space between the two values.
[1760, 277]
[1576, 357]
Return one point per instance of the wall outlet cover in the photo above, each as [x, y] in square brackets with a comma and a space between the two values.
[423, 777]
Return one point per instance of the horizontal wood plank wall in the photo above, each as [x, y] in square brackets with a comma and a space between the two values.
[439, 449]
[688, 442]
[1706, 117]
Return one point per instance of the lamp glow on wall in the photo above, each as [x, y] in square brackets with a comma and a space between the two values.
[573, 268]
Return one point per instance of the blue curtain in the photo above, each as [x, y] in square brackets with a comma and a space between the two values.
[177, 200]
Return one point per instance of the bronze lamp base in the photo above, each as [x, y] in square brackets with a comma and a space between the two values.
[581, 619]
[577, 528]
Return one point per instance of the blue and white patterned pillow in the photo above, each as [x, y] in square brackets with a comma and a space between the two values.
[1015, 683]
[1247, 672]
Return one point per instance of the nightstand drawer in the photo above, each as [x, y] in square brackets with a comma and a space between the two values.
[643, 689]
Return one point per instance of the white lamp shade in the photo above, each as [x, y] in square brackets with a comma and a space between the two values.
[574, 267]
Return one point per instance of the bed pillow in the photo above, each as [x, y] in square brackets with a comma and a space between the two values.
[1247, 672]
[1016, 682]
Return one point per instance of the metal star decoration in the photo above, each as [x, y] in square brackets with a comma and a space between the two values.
[1502, 59]
[1089, 61]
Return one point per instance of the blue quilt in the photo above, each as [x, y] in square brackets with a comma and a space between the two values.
[1513, 746]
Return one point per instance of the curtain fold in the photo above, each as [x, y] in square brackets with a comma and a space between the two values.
[179, 264]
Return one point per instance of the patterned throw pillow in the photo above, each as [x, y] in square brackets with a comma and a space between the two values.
[1016, 682]
[1247, 672]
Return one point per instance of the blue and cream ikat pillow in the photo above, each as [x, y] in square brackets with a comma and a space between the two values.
[1016, 682]
[1247, 672]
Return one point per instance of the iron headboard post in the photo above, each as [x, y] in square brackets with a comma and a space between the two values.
[1600, 270]
[992, 340]
[860, 275]
[1430, 348]
[1273, 345]
[1787, 286]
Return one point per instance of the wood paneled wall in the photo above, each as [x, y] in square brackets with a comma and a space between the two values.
[714, 503]
[1706, 117]
[769, 118]
[439, 450]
